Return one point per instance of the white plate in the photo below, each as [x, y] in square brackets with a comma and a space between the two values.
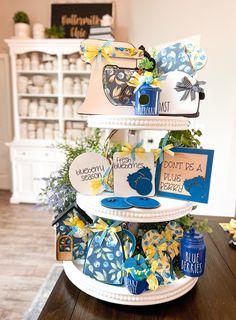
[121, 295]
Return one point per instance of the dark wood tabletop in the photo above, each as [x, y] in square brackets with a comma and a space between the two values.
[213, 297]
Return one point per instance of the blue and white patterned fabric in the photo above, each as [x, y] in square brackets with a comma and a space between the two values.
[196, 55]
[105, 255]
[173, 58]
[103, 262]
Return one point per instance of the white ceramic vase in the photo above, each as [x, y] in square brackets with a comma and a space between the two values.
[22, 30]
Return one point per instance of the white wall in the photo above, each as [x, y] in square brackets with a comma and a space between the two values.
[40, 12]
[153, 22]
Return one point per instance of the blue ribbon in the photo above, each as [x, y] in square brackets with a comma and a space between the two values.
[105, 44]
[164, 143]
[138, 145]
[104, 233]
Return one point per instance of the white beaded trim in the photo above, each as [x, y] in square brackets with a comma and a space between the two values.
[121, 295]
[92, 206]
[138, 122]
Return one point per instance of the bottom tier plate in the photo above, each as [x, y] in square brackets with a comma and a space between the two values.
[121, 295]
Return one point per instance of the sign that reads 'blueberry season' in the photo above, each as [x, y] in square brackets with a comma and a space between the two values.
[76, 18]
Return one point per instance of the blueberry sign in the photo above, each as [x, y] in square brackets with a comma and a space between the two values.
[87, 173]
[134, 175]
[186, 175]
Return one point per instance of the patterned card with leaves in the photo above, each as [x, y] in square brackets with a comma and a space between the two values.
[103, 262]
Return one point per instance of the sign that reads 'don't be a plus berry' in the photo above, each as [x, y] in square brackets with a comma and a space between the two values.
[185, 175]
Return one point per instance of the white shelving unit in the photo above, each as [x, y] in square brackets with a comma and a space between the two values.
[51, 59]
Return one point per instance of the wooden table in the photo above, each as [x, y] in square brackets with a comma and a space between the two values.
[213, 297]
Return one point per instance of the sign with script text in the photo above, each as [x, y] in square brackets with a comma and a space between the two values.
[134, 174]
[186, 175]
[86, 170]
[76, 18]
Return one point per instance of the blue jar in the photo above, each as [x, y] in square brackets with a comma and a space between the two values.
[192, 254]
[147, 101]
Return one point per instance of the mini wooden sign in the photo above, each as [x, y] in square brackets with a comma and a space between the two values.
[134, 174]
[186, 175]
[87, 171]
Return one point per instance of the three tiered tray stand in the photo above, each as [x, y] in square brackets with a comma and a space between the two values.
[169, 210]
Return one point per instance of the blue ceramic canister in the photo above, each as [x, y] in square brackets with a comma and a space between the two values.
[147, 101]
[192, 254]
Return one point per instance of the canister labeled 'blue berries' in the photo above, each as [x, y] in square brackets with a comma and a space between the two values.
[192, 254]
[147, 101]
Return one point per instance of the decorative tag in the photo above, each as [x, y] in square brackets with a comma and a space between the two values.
[185, 175]
[89, 173]
[134, 172]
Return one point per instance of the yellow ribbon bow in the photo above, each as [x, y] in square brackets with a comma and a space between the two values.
[105, 181]
[138, 80]
[158, 152]
[134, 151]
[74, 221]
[102, 226]
[92, 52]
[151, 250]
[95, 186]
[173, 249]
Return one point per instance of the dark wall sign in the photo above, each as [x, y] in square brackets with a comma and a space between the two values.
[77, 18]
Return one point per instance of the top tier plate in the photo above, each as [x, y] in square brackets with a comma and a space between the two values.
[169, 209]
[138, 122]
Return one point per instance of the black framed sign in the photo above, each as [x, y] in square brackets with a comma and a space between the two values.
[76, 18]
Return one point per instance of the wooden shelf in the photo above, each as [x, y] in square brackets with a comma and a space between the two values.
[38, 118]
[76, 72]
[34, 72]
[37, 95]
[79, 96]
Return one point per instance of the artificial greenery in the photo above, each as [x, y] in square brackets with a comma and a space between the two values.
[55, 32]
[21, 17]
[185, 138]
[146, 64]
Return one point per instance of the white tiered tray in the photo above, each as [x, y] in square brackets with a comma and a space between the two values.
[121, 295]
[138, 122]
[169, 209]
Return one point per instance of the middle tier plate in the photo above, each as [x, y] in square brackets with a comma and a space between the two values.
[169, 209]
